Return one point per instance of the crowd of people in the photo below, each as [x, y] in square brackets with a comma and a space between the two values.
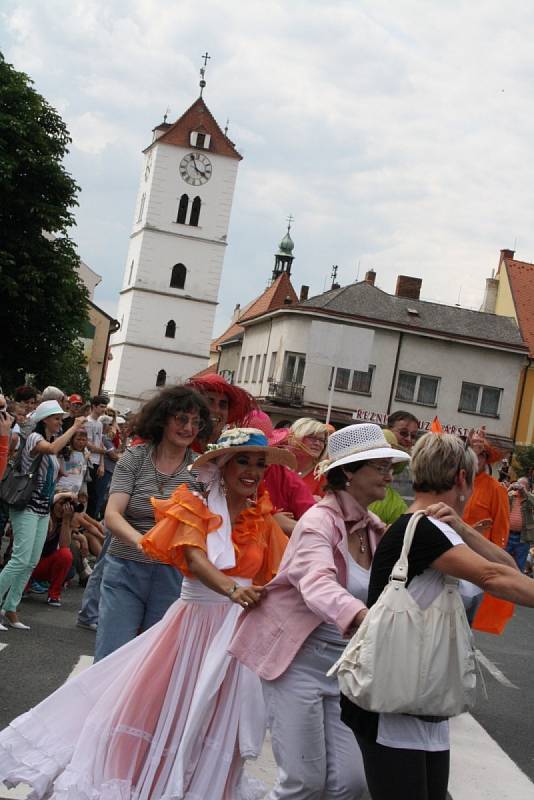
[226, 563]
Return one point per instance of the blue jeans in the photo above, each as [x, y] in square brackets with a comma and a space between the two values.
[88, 613]
[101, 493]
[518, 549]
[133, 597]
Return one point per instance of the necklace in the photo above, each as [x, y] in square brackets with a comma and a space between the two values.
[363, 545]
[160, 477]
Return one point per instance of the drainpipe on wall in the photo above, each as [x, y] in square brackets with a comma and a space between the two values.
[401, 336]
[521, 395]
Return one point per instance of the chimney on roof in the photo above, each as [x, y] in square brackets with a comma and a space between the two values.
[408, 287]
[370, 277]
[490, 296]
[304, 290]
[237, 312]
[507, 254]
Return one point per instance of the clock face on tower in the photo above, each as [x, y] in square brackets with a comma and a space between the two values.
[195, 168]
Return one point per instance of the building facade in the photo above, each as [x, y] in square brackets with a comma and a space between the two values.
[175, 257]
[433, 360]
[510, 293]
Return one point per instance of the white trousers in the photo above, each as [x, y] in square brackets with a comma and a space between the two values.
[318, 757]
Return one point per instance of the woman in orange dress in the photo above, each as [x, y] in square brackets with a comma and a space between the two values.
[170, 714]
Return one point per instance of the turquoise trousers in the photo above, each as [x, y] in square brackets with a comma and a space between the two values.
[29, 535]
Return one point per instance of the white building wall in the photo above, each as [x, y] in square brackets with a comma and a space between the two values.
[452, 362]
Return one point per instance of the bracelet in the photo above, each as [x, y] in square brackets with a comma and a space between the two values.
[234, 588]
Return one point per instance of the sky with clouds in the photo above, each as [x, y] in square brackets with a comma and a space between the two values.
[398, 133]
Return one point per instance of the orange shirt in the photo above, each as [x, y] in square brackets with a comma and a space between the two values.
[489, 501]
[185, 520]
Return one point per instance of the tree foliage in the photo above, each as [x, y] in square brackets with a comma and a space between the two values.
[43, 302]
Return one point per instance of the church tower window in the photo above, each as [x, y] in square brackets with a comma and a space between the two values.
[182, 209]
[170, 329]
[195, 211]
[178, 276]
[141, 208]
[162, 378]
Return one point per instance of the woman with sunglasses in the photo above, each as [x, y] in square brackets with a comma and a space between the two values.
[315, 602]
[136, 591]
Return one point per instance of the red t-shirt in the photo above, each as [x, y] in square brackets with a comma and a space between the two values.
[287, 490]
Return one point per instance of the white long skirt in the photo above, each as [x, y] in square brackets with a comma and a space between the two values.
[169, 716]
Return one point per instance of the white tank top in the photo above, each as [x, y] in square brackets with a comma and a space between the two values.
[358, 586]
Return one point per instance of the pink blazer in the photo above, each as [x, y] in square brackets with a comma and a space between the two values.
[309, 589]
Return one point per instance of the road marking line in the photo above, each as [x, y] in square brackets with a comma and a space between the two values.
[480, 768]
[494, 671]
[81, 665]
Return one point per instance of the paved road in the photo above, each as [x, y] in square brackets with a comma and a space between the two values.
[492, 750]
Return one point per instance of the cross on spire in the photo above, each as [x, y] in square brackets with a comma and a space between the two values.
[290, 219]
[205, 58]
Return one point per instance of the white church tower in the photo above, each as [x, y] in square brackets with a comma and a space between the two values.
[173, 269]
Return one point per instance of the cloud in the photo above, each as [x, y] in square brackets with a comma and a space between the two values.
[398, 135]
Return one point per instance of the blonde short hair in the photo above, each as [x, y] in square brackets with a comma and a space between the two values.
[436, 461]
[306, 426]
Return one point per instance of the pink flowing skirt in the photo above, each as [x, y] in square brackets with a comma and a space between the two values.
[169, 716]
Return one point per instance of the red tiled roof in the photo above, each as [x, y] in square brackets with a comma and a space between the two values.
[211, 370]
[198, 117]
[521, 278]
[273, 297]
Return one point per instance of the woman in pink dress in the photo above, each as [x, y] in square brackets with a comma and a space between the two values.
[170, 715]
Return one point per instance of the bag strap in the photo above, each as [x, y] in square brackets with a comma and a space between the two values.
[400, 570]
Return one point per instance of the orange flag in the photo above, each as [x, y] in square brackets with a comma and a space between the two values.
[436, 426]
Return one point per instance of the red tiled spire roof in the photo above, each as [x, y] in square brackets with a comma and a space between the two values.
[198, 117]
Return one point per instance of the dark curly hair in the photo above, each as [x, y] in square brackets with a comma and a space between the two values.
[152, 418]
[336, 478]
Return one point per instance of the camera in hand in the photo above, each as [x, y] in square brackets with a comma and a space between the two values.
[78, 507]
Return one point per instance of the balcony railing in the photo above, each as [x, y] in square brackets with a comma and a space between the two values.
[291, 394]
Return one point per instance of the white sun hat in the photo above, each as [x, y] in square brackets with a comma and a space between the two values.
[360, 443]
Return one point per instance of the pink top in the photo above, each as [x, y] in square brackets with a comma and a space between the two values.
[4, 451]
[309, 588]
[287, 490]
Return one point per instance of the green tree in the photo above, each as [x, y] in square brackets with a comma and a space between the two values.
[43, 302]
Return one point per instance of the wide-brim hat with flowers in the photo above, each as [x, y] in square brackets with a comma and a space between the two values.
[359, 443]
[245, 440]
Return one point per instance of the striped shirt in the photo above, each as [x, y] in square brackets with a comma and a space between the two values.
[39, 503]
[135, 474]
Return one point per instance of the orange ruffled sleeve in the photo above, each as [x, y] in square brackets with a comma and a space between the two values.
[276, 545]
[181, 520]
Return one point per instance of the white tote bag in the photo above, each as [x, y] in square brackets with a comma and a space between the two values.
[407, 660]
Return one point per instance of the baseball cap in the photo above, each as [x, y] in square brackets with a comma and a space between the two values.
[76, 398]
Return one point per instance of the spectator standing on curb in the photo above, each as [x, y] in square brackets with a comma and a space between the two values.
[30, 525]
[521, 535]
[93, 426]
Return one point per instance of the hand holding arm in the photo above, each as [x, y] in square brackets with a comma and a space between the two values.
[471, 537]
[201, 568]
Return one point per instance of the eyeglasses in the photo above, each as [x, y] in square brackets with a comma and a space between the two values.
[313, 438]
[182, 420]
[383, 469]
[408, 435]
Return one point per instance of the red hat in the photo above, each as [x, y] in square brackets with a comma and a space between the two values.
[76, 398]
[262, 422]
[240, 402]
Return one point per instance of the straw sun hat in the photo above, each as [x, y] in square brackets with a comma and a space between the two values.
[245, 440]
[359, 443]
